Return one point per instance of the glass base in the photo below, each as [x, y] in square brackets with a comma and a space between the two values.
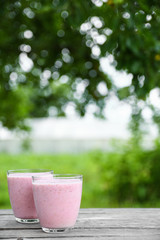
[55, 230]
[21, 220]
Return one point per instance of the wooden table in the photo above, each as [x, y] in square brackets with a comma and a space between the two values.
[101, 224]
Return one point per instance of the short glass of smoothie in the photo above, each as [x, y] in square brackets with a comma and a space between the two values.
[57, 201]
[21, 194]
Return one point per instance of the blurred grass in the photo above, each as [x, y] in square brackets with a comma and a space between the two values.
[126, 178]
[81, 164]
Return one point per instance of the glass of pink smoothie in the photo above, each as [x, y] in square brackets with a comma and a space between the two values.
[21, 194]
[57, 201]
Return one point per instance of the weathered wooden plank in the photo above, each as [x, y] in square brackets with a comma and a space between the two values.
[129, 224]
[141, 218]
[91, 223]
[82, 210]
[103, 210]
[112, 211]
[90, 210]
[12, 224]
[139, 215]
[108, 232]
[89, 238]
[6, 211]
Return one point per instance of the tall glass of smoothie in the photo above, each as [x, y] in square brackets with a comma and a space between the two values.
[57, 201]
[21, 194]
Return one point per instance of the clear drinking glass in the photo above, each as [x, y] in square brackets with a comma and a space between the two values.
[57, 201]
[21, 194]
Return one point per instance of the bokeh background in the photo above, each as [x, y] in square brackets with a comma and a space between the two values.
[80, 93]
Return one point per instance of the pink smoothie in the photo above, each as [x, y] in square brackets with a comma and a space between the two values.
[57, 202]
[21, 195]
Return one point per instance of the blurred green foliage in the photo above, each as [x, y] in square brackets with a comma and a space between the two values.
[64, 42]
[131, 178]
[78, 164]
[126, 178]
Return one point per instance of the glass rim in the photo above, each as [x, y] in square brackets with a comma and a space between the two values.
[29, 170]
[60, 176]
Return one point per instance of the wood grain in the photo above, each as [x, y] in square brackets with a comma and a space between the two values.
[112, 224]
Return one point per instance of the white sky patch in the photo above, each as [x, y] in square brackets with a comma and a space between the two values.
[29, 13]
[126, 15]
[13, 76]
[120, 79]
[154, 97]
[25, 62]
[96, 22]
[13, 79]
[85, 27]
[55, 75]
[96, 51]
[44, 82]
[25, 48]
[46, 74]
[70, 110]
[102, 88]
[5, 133]
[64, 79]
[148, 17]
[80, 88]
[28, 34]
[117, 112]
[98, 3]
[90, 110]
[93, 33]
[147, 114]
[107, 31]
[100, 39]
